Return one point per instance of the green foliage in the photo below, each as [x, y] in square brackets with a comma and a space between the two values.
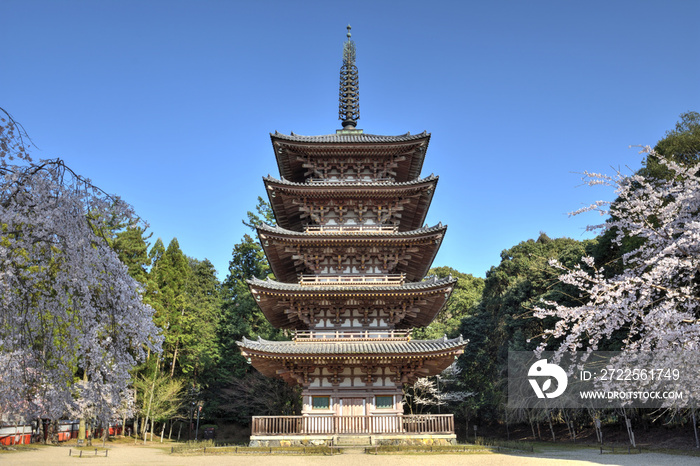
[681, 145]
[503, 321]
[132, 248]
[167, 397]
[200, 348]
[170, 274]
[253, 394]
[263, 214]
[240, 315]
[465, 296]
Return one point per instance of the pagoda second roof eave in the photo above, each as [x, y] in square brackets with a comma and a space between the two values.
[374, 349]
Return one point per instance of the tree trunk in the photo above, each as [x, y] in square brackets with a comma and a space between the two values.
[162, 431]
[695, 429]
[150, 402]
[505, 415]
[40, 431]
[170, 433]
[90, 433]
[153, 427]
[172, 369]
[551, 427]
[628, 424]
[179, 430]
[81, 429]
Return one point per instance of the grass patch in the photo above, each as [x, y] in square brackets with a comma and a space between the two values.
[508, 447]
[209, 448]
[9, 449]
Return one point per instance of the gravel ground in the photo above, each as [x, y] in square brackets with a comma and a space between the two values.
[143, 455]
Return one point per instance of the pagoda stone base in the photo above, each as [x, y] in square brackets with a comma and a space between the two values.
[352, 440]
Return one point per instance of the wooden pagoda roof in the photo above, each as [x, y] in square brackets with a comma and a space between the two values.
[351, 348]
[281, 245]
[273, 358]
[285, 198]
[290, 150]
[274, 298]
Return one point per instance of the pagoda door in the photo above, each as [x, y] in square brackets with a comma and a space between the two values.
[352, 416]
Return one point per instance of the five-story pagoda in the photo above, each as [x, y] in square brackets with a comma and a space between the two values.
[349, 253]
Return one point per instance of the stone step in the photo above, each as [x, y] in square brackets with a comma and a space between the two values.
[353, 440]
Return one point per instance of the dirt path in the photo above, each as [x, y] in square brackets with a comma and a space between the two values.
[140, 455]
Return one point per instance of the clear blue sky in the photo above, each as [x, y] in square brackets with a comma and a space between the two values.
[169, 103]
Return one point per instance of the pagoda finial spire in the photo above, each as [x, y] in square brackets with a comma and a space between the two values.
[349, 109]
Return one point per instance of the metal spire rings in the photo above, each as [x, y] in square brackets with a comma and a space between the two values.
[349, 109]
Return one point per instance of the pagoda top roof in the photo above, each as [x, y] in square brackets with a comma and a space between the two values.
[294, 152]
[349, 137]
[428, 284]
[351, 348]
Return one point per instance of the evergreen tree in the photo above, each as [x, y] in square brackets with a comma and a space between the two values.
[200, 348]
[132, 248]
[170, 274]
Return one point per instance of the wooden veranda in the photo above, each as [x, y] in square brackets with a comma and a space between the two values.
[335, 425]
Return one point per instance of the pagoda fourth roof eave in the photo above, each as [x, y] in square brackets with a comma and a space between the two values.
[289, 217]
[347, 185]
[375, 235]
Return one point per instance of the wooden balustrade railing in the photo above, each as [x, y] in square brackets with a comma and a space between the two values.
[344, 335]
[344, 228]
[331, 424]
[349, 180]
[332, 280]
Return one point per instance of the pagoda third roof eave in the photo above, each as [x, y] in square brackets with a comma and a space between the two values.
[279, 236]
